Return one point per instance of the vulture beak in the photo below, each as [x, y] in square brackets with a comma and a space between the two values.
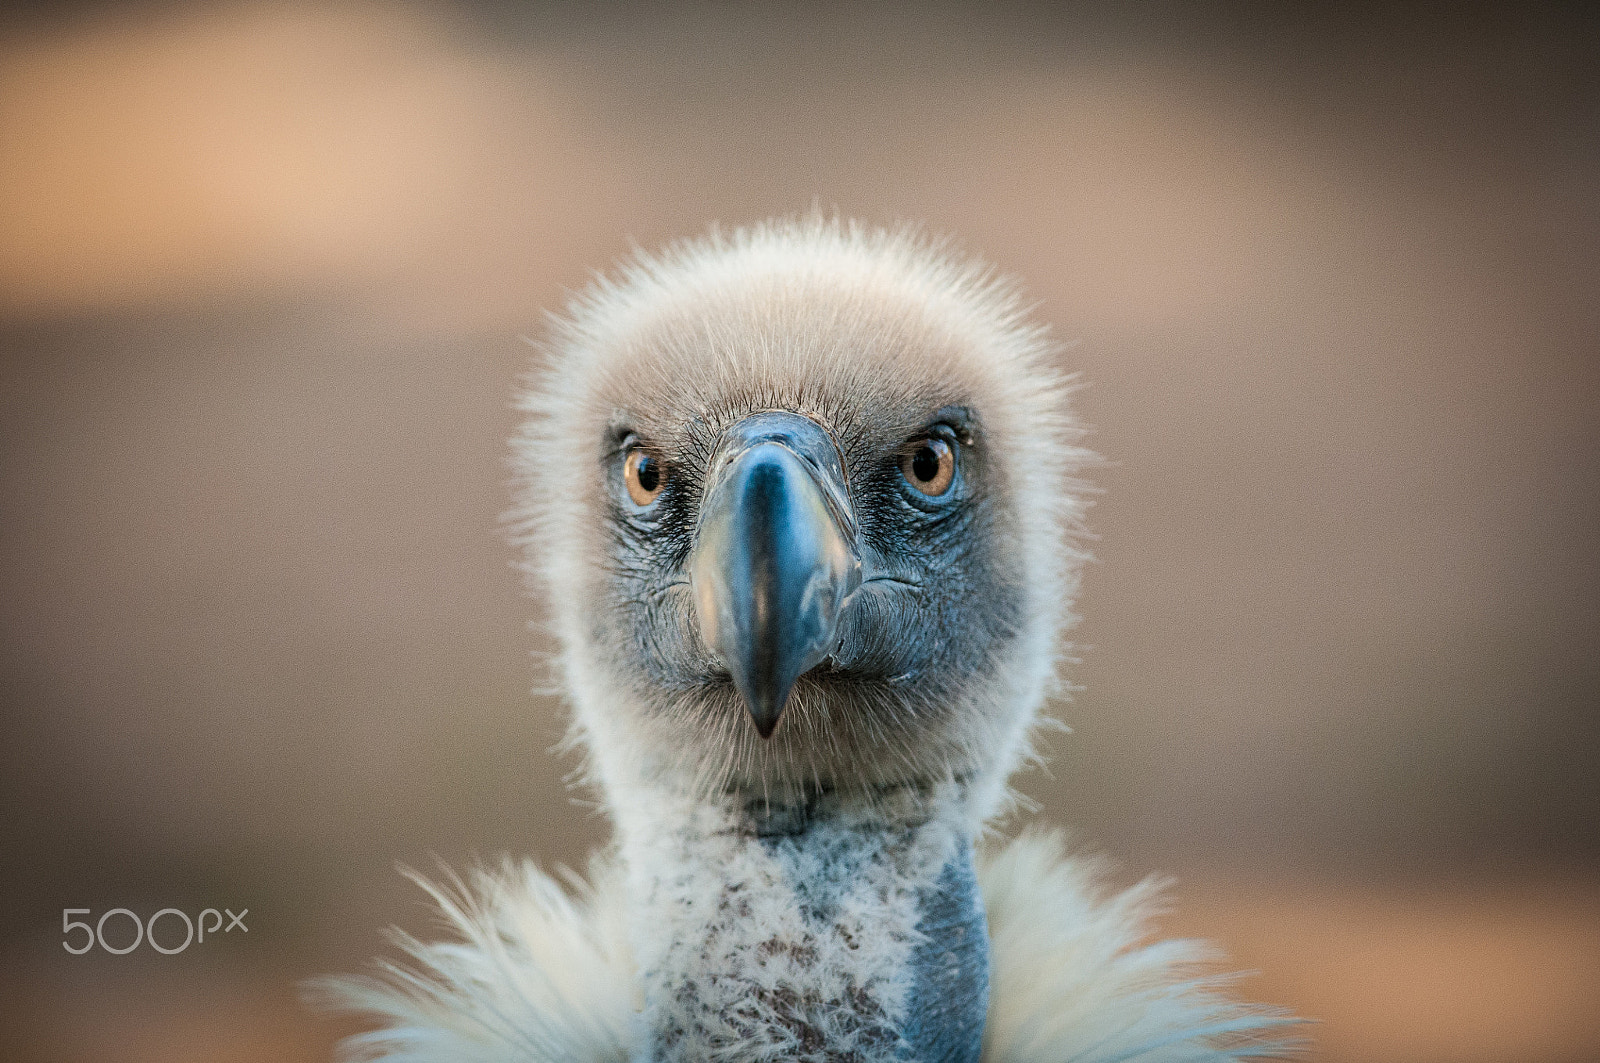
[774, 558]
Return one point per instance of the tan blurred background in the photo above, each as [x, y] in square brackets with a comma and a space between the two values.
[1331, 276]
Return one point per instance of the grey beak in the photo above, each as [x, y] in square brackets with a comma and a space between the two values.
[774, 559]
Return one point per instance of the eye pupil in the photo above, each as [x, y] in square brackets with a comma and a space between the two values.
[930, 467]
[644, 476]
[649, 471]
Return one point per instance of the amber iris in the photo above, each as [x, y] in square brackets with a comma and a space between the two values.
[644, 476]
[930, 466]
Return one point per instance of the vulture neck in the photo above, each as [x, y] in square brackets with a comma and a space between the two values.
[833, 928]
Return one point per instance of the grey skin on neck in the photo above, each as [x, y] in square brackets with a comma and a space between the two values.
[813, 933]
[950, 992]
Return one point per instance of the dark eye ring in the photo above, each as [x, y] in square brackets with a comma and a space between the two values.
[929, 466]
[644, 475]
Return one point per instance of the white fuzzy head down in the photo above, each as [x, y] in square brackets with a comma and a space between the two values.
[867, 332]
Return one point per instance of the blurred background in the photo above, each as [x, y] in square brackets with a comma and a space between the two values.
[1330, 273]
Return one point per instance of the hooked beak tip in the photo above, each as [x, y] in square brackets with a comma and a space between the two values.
[766, 722]
[765, 700]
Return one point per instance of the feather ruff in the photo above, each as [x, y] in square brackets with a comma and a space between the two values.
[538, 973]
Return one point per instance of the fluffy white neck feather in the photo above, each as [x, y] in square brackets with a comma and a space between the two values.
[784, 933]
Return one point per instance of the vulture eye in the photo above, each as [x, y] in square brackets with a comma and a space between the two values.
[644, 475]
[930, 466]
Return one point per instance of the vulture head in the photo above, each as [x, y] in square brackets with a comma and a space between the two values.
[802, 498]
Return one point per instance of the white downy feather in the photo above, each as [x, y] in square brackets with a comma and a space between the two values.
[537, 974]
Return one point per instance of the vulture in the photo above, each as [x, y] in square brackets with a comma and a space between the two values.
[804, 501]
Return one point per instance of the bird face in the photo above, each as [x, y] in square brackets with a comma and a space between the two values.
[769, 561]
[789, 539]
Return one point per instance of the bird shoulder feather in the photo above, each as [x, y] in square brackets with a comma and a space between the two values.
[536, 970]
